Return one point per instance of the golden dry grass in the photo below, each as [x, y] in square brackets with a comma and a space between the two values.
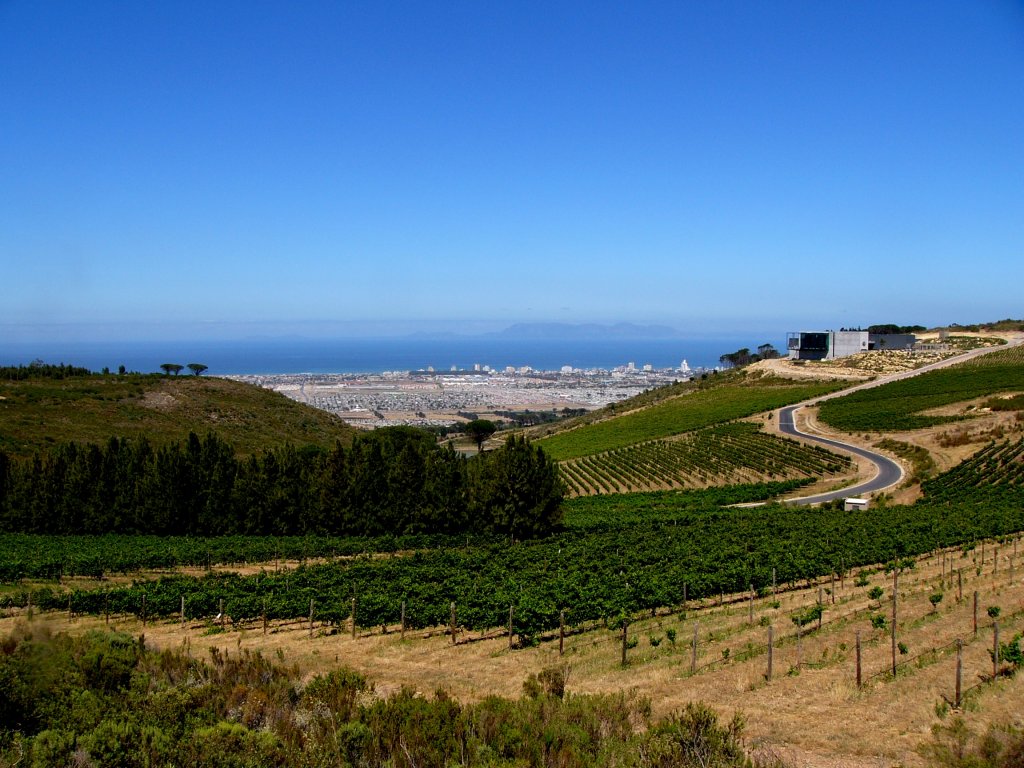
[814, 715]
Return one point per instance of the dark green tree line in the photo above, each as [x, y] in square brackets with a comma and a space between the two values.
[392, 481]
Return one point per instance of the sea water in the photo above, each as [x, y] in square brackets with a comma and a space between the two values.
[304, 355]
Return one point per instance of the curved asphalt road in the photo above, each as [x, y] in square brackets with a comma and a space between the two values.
[888, 472]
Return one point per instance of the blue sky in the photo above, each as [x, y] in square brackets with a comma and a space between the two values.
[194, 168]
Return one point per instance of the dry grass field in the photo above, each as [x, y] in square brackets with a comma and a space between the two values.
[811, 711]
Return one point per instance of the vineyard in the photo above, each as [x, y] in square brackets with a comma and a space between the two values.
[685, 413]
[723, 455]
[594, 575]
[993, 474]
[899, 405]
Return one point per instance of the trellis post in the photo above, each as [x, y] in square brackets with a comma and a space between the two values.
[895, 601]
[859, 679]
[995, 650]
[625, 633]
[959, 672]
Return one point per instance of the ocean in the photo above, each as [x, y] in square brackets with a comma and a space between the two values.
[303, 355]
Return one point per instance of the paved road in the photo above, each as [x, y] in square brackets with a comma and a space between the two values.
[888, 472]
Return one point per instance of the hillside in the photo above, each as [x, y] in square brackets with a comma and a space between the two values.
[686, 407]
[39, 412]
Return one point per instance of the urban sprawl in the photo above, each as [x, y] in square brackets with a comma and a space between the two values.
[429, 397]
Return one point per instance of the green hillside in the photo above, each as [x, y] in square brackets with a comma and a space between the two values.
[736, 398]
[38, 412]
[901, 405]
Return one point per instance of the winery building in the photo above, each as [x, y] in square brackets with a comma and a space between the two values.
[828, 345]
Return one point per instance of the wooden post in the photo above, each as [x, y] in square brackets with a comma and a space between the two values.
[30, 606]
[959, 585]
[773, 581]
[143, 608]
[311, 617]
[895, 601]
[771, 651]
[959, 672]
[859, 679]
[799, 646]
[842, 574]
[693, 655]
[106, 607]
[684, 596]
[403, 620]
[561, 632]
[454, 639]
[511, 615]
[975, 613]
[264, 616]
[995, 562]
[625, 633]
[821, 604]
[832, 589]
[750, 609]
[220, 612]
[995, 650]
[353, 618]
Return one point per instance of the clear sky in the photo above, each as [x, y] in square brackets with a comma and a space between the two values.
[331, 167]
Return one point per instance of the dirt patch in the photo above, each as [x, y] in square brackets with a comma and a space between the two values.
[159, 401]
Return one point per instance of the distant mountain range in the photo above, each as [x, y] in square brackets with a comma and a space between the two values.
[586, 331]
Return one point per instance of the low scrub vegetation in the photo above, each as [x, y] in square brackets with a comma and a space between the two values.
[107, 700]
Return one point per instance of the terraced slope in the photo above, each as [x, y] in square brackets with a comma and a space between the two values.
[722, 455]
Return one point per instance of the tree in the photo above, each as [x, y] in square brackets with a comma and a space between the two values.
[169, 368]
[767, 352]
[480, 430]
[517, 490]
[738, 359]
[197, 368]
